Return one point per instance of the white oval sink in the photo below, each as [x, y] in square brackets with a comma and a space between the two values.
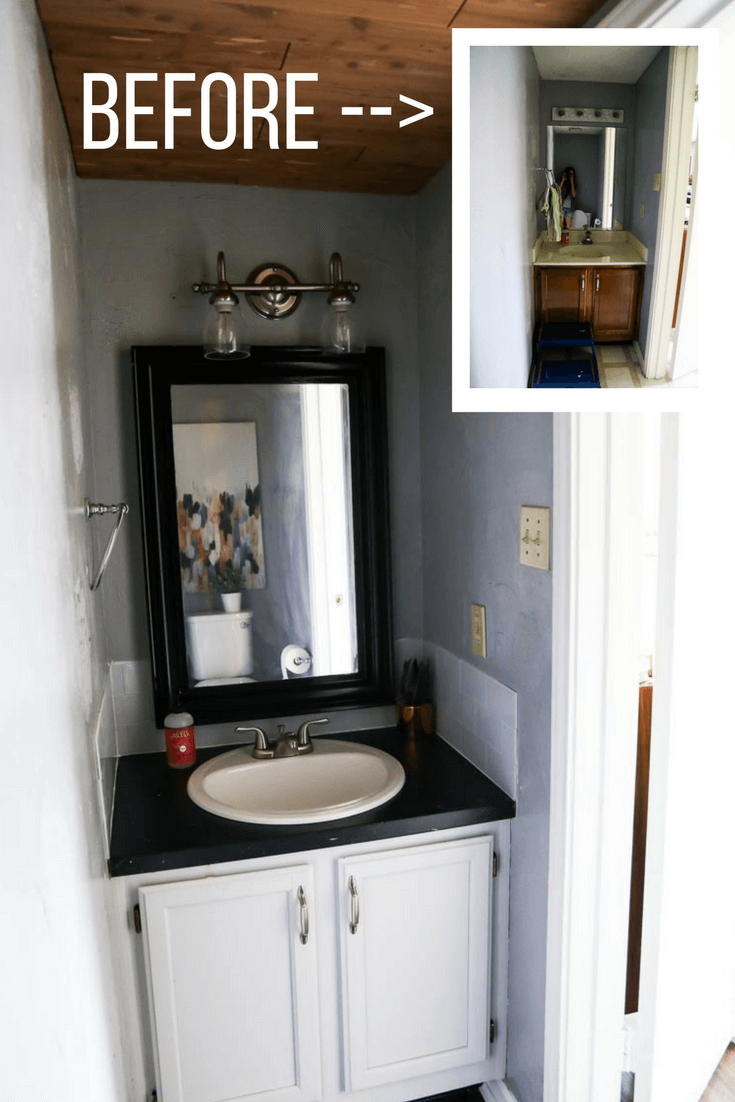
[338, 779]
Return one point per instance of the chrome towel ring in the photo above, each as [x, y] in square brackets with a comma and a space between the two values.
[92, 509]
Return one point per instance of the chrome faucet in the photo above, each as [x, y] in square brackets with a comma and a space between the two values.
[288, 745]
[587, 240]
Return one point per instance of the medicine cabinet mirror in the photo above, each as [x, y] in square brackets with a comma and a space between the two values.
[598, 155]
[264, 497]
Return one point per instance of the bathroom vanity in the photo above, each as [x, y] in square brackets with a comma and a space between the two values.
[600, 283]
[359, 957]
[365, 957]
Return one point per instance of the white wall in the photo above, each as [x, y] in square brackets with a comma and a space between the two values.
[504, 148]
[58, 1026]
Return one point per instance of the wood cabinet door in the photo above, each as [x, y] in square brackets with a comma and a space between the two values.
[415, 935]
[616, 303]
[562, 294]
[232, 988]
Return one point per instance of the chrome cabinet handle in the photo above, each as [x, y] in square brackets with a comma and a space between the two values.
[583, 281]
[354, 905]
[597, 283]
[303, 916]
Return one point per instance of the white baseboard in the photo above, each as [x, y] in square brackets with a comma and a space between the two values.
[497, 1091]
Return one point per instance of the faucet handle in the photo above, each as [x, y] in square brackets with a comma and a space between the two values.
[261, 747]
[302, 736]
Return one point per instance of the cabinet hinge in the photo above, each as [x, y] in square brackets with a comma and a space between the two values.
[493, 1031]
[136, 919]
[696, 94]
[495, 864]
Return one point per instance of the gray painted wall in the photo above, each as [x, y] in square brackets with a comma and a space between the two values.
[143, 246]
[648, 159]
[504, 149]
[477, 470]
[60, 1037]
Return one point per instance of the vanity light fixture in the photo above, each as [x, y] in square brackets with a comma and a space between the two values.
[274, 291]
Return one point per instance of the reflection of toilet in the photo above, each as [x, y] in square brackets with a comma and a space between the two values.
[580, 219]
[219, 645]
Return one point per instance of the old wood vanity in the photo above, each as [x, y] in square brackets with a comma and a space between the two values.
[601, 283]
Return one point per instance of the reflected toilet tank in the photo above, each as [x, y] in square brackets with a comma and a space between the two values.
[219, 644]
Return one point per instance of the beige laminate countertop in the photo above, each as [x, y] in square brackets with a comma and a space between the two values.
[608, 248]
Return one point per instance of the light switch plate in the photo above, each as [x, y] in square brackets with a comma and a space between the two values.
[534, 536]
[479, 638]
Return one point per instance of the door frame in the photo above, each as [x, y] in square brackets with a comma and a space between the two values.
[687, 993]
[594, 696]
[680, 101]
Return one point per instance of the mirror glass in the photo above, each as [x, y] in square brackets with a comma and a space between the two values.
[598, 155]
[264, 527]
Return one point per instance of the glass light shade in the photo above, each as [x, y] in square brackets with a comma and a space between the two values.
[341, 331]
[224, 333]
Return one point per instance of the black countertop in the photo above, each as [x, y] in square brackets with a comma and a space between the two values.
[156, 827]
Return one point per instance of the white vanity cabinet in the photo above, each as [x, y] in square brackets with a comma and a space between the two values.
[232, 983]
[356, 972]
[415, 956]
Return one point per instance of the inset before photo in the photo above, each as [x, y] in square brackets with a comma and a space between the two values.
[582, 190]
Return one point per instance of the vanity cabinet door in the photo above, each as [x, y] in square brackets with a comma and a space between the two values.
[233, 988]
[616, 303]
[415, 936]
[562, 294]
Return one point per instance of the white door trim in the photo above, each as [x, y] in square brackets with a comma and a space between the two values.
[687, 981]
[594, 700]
[682, 82]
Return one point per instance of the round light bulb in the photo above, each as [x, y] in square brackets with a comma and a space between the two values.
[224, 333]
[341, 330]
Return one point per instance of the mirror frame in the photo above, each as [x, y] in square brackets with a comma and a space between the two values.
[156, 369]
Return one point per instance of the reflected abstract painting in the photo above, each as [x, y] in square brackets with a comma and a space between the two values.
[218, 503]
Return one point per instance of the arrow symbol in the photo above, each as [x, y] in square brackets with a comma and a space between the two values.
[424, 111]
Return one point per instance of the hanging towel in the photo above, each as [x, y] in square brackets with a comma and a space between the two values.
[551, 206]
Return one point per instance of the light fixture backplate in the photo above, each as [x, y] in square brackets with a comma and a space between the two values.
[273, 304]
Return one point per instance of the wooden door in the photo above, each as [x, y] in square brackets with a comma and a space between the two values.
[232, 987]
[615, 303]
[562, 294]
[415, 935]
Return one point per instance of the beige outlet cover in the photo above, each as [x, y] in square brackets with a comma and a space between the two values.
[479, 637]
[534, 536]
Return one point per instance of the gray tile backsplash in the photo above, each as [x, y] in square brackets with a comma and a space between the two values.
[132, 691]
[474, 713]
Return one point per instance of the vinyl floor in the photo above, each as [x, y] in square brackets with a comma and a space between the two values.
[619, 367]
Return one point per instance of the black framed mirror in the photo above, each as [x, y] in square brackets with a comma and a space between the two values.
[264, 502]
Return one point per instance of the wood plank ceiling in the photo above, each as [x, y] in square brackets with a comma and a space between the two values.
[366, 52]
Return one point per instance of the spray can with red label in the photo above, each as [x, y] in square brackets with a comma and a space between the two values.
[180, 746]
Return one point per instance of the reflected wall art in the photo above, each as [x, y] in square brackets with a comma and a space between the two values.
[219, 509]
